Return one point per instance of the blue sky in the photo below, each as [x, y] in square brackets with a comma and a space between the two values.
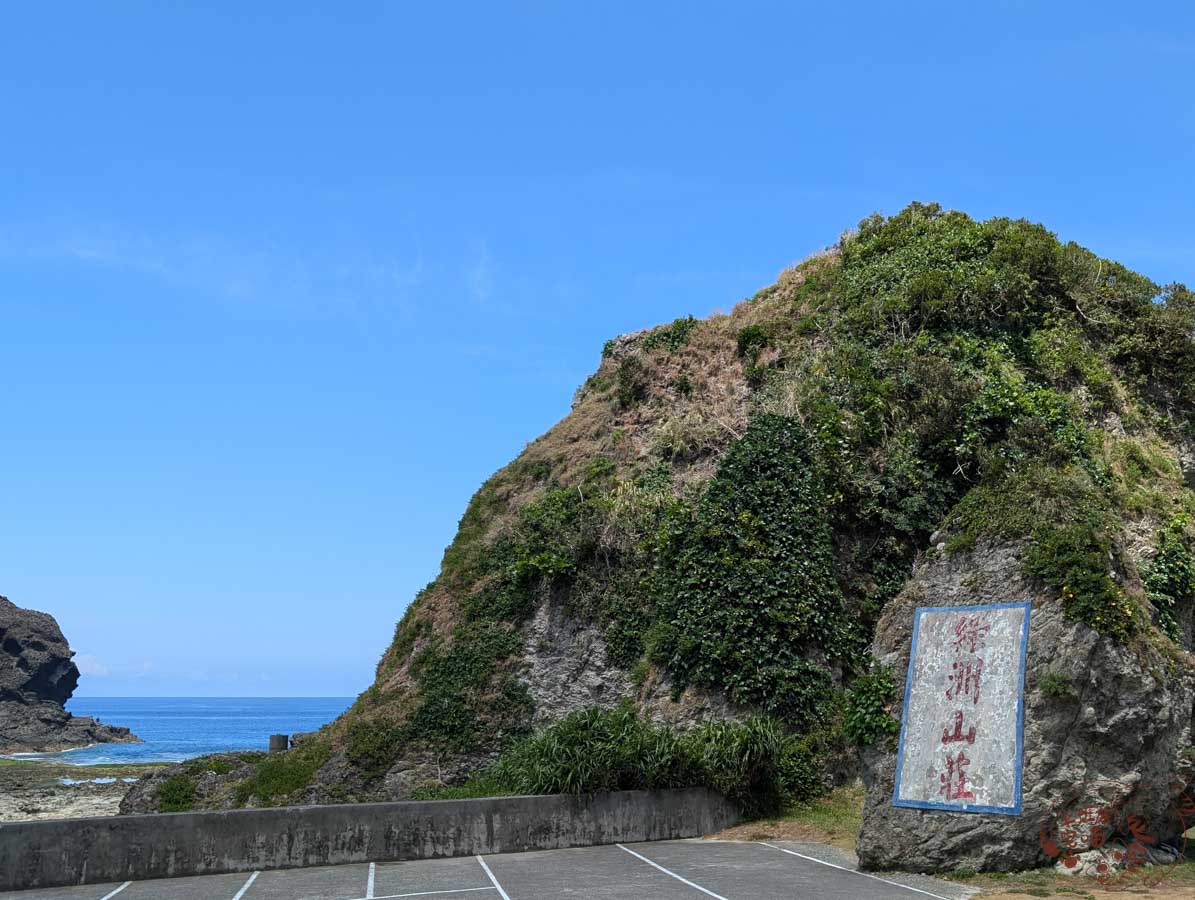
[281, 284]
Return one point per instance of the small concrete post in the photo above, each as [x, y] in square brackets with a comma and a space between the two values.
[279, 742]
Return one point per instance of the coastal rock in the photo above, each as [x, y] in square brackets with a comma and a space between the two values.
[37, 677]
[1115, 723]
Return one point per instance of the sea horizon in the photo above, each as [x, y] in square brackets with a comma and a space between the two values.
[174, 729]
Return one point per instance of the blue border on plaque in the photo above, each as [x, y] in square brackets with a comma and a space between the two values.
[1015, 809]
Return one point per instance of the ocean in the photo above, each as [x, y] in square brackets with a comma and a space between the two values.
[178, 728]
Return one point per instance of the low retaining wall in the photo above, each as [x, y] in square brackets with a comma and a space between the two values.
[80, 851]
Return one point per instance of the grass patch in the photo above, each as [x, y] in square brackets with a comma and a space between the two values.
[754, 763]
[1056, 685]
[279, 774]
[832, 819]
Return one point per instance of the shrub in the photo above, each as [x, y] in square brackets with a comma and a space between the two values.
[749, 579]
[596, 750]
[177, 794]
[631, 386]
[1057, 685]
[754, 762]
[743, 761]
[867, 717]
[1074, 560]
[1170, 576]
[751, 342]
[371, 746]
[672, 336]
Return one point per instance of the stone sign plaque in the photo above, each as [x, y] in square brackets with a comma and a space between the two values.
[961, 728]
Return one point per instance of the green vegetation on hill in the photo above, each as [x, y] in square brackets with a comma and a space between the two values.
[935, 373]
[733, 501]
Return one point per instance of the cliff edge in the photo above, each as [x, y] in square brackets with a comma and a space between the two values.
[37, 677]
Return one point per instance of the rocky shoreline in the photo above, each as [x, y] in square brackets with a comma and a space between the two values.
[42, 789]
[37, 677]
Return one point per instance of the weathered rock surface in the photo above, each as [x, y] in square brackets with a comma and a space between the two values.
[37, 677]
[566, 670]
[1123, 728]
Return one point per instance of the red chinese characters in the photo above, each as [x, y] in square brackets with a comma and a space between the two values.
[954, 779]
[964, 680]
[969, 635]
[949, 737]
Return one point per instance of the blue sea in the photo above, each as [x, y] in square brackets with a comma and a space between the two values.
[178, 728]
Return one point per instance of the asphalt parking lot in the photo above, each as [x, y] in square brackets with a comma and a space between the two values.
[662, 870]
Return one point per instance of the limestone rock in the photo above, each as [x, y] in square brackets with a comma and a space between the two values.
[37, 677]
[1125, 726]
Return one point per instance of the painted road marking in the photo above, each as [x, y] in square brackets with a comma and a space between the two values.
[373, 869]
[244, 887]
[112, 894]
[822, 862]
[497, 886]
[430, 893]
[668, 872]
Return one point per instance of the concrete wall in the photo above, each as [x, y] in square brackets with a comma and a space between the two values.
[78, 851]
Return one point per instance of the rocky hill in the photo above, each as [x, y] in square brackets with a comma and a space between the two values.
[36, 678]
[739, 509]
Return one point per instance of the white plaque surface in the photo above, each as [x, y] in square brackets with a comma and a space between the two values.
[961, 728]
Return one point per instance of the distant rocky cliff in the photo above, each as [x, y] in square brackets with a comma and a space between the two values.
[36, 678]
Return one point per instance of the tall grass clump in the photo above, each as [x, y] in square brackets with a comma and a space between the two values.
[754, 763]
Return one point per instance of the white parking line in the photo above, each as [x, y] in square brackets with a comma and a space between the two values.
[369, 881]
[822, 862]
[244, 887]
[430, 893]
[111, 894]
[493, 880]
[673, 874]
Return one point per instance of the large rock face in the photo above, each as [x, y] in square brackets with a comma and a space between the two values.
[716, 527]
[1121, 726]
[36, 678]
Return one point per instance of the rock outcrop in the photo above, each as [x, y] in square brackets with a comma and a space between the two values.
[37, 677]
[1112, 725]
[734, 508]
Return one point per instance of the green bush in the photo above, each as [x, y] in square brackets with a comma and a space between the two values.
[743, 761]
[867, 719]
[1170, 576]
[754, 762]
[371, 746]
[1074, 560]
[749, 580]
[452, 679]
[1057, 685]
[596, 750]
[672, 336]
[631, 387]
[177, 794]
[751, 342]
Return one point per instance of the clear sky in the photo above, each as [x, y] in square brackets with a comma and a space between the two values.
[281, 284]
